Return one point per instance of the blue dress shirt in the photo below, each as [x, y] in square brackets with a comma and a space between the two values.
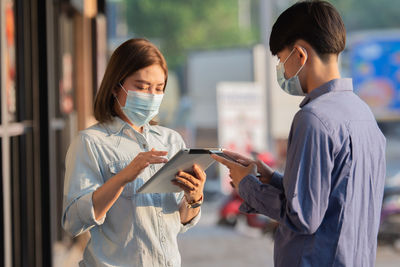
[328, 201]
[139, 229]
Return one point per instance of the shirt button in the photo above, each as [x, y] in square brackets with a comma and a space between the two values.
[160, 214]
[163, 239]
[169, 263]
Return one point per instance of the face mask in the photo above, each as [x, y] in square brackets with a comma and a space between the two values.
[140, 108]
[291, 86]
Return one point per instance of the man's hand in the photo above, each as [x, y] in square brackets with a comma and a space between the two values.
[263, 169]
[237, 171]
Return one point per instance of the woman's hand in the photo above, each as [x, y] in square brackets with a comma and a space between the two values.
[141, 161]
[191, 183]
[106, 195]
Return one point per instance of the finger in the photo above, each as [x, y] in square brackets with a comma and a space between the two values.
[236, 156]
[157, 153]
[199, 172]
[189, 178]
[243, 162]
[183, 182]
[154, 160]
[182, 186]
[227, 163]
[264, 168]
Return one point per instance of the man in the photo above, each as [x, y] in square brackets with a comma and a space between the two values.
[328, 201]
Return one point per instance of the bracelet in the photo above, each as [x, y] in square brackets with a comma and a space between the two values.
[194, 204]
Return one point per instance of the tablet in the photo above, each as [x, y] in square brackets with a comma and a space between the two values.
[184, 160]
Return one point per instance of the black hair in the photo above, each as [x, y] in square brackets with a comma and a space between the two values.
[316, 22]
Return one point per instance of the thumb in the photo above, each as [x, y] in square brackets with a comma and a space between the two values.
[252, 168]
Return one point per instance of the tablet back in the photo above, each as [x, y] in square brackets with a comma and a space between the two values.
[184, 160]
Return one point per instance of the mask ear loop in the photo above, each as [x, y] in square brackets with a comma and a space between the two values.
[117, 97]
[305, 51]
[123, 88]
[288, 56]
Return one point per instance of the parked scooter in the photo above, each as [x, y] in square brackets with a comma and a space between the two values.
[389, 231]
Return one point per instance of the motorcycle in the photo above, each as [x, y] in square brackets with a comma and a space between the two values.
[389, 231]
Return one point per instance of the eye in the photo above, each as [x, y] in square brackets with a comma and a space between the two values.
[142, 88]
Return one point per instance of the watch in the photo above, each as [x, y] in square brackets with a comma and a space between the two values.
[194, 204]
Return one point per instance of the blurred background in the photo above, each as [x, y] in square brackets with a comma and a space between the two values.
[222, 92]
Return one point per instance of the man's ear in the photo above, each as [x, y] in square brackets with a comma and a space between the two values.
[302, 53]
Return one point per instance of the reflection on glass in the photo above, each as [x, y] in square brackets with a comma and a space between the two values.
[10, 60]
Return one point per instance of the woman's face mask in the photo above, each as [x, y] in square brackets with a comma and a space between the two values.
[139, 107]
[292, 85]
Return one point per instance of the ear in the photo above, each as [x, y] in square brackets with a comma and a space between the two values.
[302, 53]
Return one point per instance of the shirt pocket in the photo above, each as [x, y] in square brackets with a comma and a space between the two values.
[131, 187]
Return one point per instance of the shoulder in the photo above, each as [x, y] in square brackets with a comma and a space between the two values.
[169, 135]
[307, 119]
[91, 135]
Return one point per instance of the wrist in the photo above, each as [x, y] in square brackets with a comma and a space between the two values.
[195, 203]
[125, 177]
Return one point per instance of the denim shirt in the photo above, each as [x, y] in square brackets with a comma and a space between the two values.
[328, 201]
[139, 229]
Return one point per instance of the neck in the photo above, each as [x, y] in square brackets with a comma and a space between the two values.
[137, 128]
[321, 73]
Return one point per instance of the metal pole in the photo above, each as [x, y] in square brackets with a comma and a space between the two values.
[266, 25]
[7, 216]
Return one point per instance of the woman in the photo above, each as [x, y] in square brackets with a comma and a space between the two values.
[109, 161]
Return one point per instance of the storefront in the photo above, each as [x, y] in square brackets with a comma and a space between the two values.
[52, 53]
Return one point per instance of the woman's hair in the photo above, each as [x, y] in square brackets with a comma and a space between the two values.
[314, 21]
[129, 57]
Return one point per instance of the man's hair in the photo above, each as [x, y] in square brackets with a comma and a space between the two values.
[129, 57]
[316, 22]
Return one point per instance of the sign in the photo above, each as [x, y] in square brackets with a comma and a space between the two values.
[241, 121]
[375, 68]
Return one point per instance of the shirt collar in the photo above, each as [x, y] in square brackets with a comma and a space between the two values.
[151, 128]
[116, 125]
[345, 84]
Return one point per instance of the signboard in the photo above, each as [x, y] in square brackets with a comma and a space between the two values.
[241, 121]
[375, 67]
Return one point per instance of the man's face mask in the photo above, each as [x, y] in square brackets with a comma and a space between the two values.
[292, 85]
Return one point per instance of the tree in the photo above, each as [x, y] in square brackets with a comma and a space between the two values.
[179, 26]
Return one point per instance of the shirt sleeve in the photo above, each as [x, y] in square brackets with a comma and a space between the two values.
[302, 201]
[82, 178]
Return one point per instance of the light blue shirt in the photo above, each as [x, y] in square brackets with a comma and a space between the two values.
[139, 229]
[328, 202]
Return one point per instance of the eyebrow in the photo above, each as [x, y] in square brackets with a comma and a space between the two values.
[147, 83]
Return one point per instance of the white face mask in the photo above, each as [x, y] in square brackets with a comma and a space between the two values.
[139, 107]
[292, 85]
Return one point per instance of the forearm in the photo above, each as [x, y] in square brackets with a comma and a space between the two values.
[187, 214]
[106, 195]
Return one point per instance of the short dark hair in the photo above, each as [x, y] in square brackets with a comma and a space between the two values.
[129, 57]
[316, 22]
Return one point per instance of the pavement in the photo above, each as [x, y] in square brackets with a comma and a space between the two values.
[208, 244]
